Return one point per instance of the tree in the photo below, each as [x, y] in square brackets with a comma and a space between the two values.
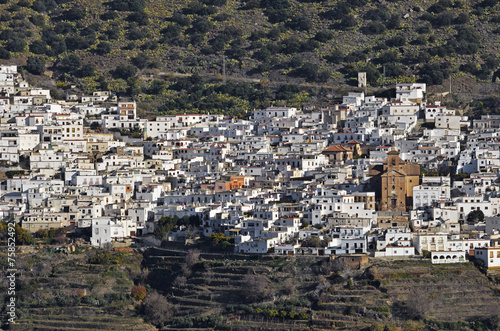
[35, 65]
[38, 47]
[475, 216]
[76, 42]
[157, 308]
[348, 21]
[71, 63]
[289, 286]
[418, 303]
[22, 236]
[128, 5]
[4, 54]
[157, 87]
[140, 18]
[192, 256]
[313, 241]
[375, 27]
[138, 292]
[324, 35]
[17, 44]
[140, 61]
[124, 71]
[103, 48]
[255, 287]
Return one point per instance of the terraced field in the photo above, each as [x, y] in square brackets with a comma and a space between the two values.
[91, 291]
[388, 294]
[79, 318]
[66, 292]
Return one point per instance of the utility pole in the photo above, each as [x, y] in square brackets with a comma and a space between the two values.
[383, 79]
[224, 69]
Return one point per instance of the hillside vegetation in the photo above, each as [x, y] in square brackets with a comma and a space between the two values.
[84, 290]
[91, 289]
[304, 293]
[272, 50]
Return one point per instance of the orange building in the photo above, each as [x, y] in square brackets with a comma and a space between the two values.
[393, 183]
[232, 184]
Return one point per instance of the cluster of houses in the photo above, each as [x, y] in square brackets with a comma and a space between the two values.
[359, 177]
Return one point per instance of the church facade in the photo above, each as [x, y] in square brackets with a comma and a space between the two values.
[393, 183]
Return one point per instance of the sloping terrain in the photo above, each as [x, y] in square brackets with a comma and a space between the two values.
[387, 293]
[102, 44]
[79, 291]
[92, 290]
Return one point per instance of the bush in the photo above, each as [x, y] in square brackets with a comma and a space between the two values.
[71, 63]
[140, 61]
[44, 5]
[124, 71]
[348, 22]
[397, 41]
[443, 19]
[128, 5]
[462, 18]
[22, 236]
[491, 61]
[439, 7]
[4, 54]
[388, 57]
[196, 8]
[475, 216]
[38, 47]
[138, 292]
[275, 4]
[202, 25]
[157, 308]
[308, 70]
[393, 22]
[110, 15]
[103, 48]
[137, 33]
[35, 65]
[75, 14]
[291, 45]
[18, 44]
[394, 70]
[255, 287]
[434, 74]
[140, 18]
[341, 10]
[300, 23]
[87, 70]
[77, 42]
[487, 3]
[381, 14]
[375, 28]
[324, 36]
[286, 92]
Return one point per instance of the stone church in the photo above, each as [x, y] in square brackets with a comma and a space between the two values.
[393, 183]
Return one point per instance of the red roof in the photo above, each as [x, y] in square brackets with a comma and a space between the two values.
[336, 148]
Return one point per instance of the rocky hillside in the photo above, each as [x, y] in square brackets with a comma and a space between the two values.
[271, 51]
[283, 40]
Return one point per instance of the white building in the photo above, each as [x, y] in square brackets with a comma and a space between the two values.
[106, 230]
[490, 257]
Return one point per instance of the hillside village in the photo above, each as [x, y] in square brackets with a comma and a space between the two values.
[388, 178]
